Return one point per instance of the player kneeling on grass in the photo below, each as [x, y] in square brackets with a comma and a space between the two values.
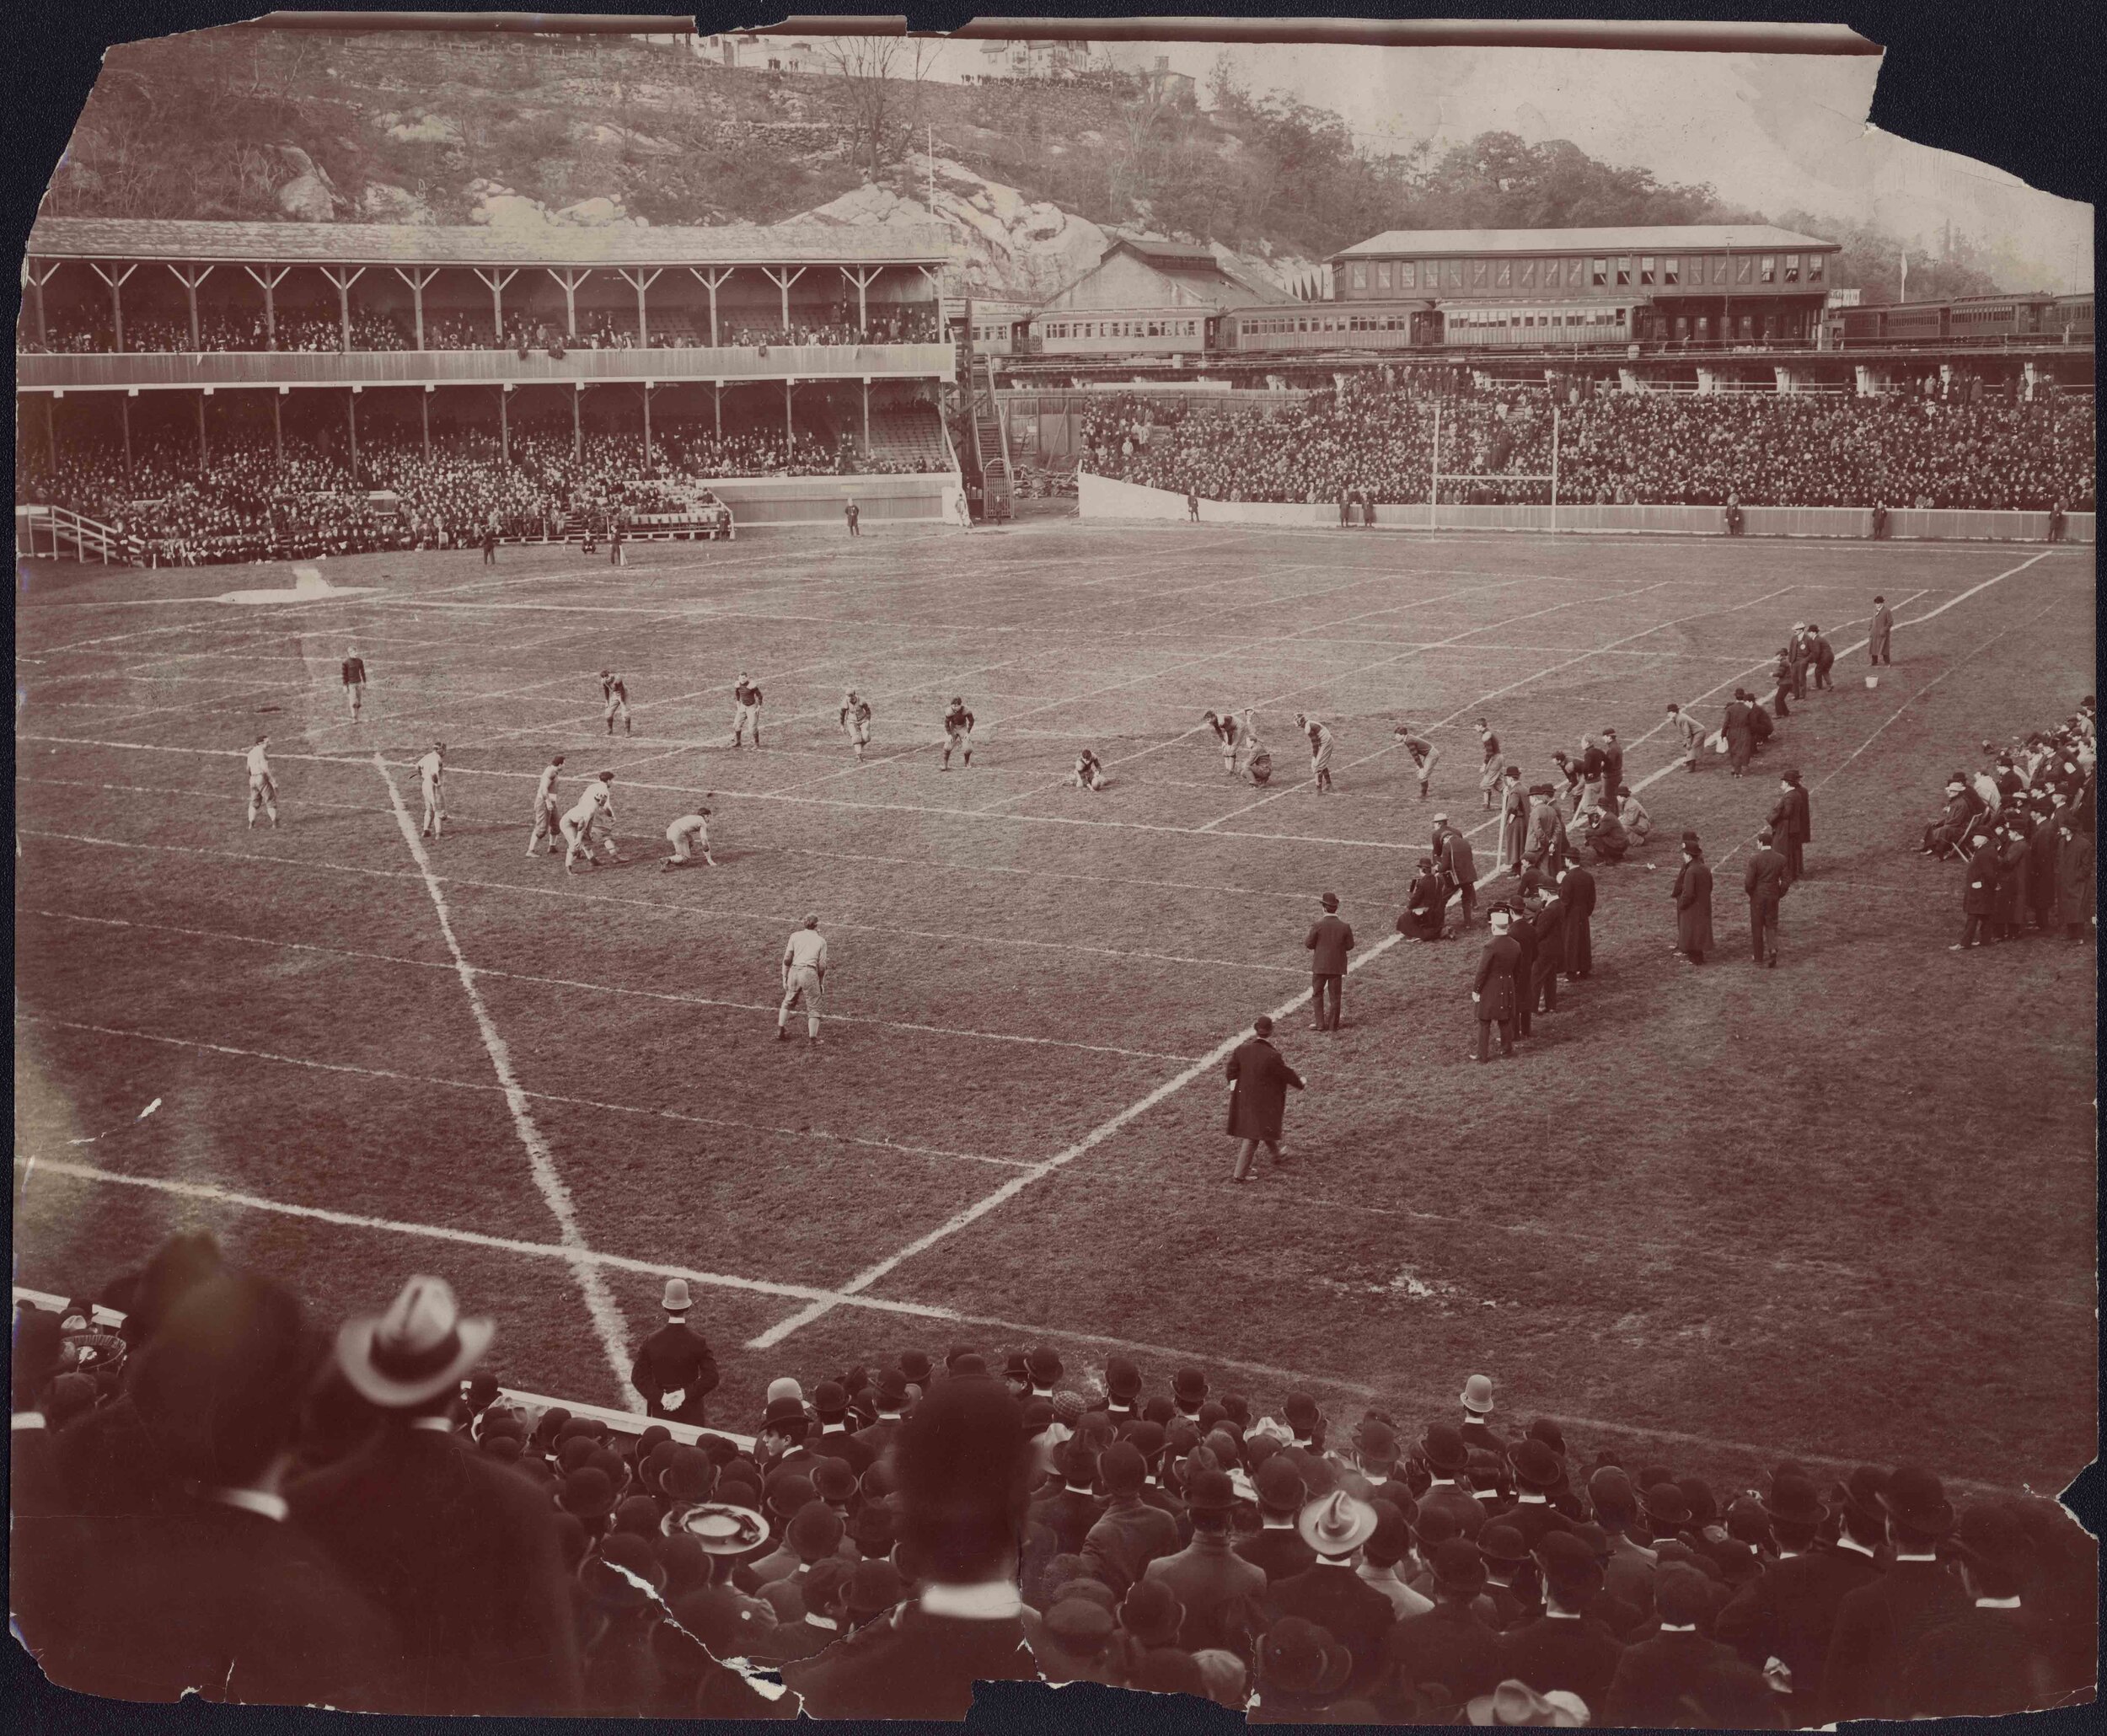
[263, 787]
[595, 807]
[855, 721]
[804, 970]
[1089, 773]
[689, 836]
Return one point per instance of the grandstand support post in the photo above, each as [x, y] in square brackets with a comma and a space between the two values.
[124, 413]
[1554, 466]
[350, 418]
[1433, 486]
[116, 298]
[783, 280]
[51, 430]
[866, 416]
[496, 282]
[716, 406]
[577, 421]
[277, 430]
[343, 282]
[204, 451]
[711, 279]
[417, 279]
[424, 418]
[570, 280]
[789, 428]
[647, 424]
[863, 279]
[504, 424]
[640, 282]
[190, 290]
[38, 275]
[269, 285]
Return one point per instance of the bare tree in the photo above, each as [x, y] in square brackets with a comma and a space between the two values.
[868, 71]
[1139, 118]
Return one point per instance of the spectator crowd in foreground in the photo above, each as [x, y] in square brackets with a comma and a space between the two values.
[1651, 448]
[248, 503]
[223, 1495]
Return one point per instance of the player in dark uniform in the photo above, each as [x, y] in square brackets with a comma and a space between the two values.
[354, 679]
[746, 699]
[854, 514]
[958, 732]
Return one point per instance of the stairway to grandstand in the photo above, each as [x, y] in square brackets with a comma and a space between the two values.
[60, 533]
[991, 457]
[911, 435]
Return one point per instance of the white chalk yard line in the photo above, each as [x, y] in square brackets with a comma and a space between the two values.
[681, 1117]
[600, 1302]
[992, 1202]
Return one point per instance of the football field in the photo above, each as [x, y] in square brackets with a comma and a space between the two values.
[1843, 1210]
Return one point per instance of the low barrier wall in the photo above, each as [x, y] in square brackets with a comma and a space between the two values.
[1105, 497]
[932, 496]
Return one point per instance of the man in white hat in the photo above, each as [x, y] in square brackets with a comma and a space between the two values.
[674, 1369]
[461, 1551]
[1329, 1593]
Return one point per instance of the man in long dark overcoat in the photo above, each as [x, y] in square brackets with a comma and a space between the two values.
[1260, 1080]
[1693, 903]
[1492, 989]
[1576, 891]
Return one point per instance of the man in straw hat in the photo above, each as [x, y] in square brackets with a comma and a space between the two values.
[460, 1552]
[1515, 1703]
[214, 1592]
[1329, 1593]
[673, 1369]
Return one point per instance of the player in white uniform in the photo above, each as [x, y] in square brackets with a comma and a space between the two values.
[689, 836]
[855, 721]
[263, 787]
[616, 695]
[547, 824]
[1089, 773]
[804, 970]
[746, 698]
[431, 769]
[595, 807]
[958, 732]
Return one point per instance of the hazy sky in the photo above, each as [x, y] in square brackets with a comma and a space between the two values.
[1776, 132]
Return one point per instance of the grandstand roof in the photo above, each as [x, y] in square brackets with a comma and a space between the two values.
[431, 244]
[1665, 238]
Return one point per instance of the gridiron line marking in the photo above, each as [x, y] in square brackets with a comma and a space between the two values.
[960, 1220]
[600, 1303]
[679, 1116]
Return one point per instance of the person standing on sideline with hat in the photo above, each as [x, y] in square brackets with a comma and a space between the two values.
[1545, 849]
[1476, 1430]
[1738, 724]
[1218, 1588]
[1791, 823]
[1781, 1621]
[1459, 867]
[804, 966]
[961, 1461]
[1329, 1593]
[1879, 633]
[1277, 1548]
[673, 1370]
[1329, 940]
[1494, 994]
[1766, 881]
[1576, 891]
[1453, 1643]
[214, 1591]
[1880, 1624]
[1979, 891]
[1260, 1080]
[1690, 732]
[1514, 834]
[1692, 894]
[460, 1552]
[1996, 1657]
[1654, 1675]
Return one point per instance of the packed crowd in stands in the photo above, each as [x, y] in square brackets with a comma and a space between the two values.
[225, 1496]
[80, 332]
[2021, 824]
[1615, 448]
[246, 506]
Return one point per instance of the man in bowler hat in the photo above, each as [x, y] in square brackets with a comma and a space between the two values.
[1878, 1624]
[673, 1369]
[1329, 941]
[1764, 879]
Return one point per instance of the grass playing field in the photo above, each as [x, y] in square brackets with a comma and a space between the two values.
[1843, 1209]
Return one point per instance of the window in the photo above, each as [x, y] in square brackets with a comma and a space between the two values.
[1599, 276]
[1526, 274]
[1748, 328]
[1503, 276]
[1359, 275]
[1745, 268]
[1407, 274]
[1704, 328]
[1682, 329]
[1624, 271]
[1770, 268]
[1814, 268]
[1456, 274]
[1646, 268]
[1791, 268]
[1671, 270]
[1382, 275]
[1481, 273]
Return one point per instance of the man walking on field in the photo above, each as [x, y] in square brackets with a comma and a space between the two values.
[546, 823]
[804, 972]
[263, 788]
[354, 679]
[1877, 635]
[430, 770]
[855, 721]
[958, 732]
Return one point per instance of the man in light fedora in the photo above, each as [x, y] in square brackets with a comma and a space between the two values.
[1330, 1593]
[461, 1551]
[674, 1371]
[1514, 1703]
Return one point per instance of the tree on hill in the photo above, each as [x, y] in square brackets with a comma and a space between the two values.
[1871, 262]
